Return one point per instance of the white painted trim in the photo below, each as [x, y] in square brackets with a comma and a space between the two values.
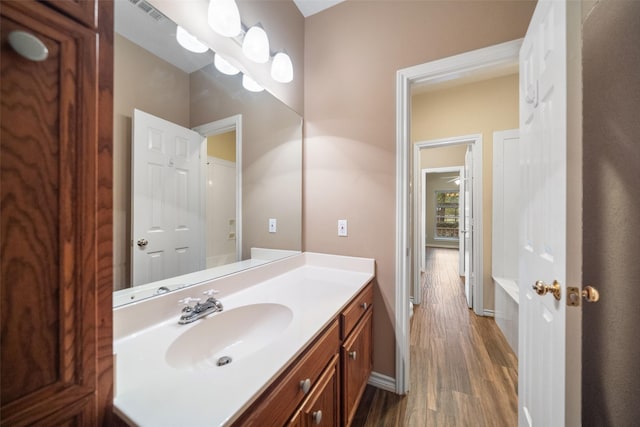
[488, 313]
[382, 382]
[443, 69]
[215, 128]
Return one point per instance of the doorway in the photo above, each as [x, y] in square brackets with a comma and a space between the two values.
[448, 69]
[466, 153]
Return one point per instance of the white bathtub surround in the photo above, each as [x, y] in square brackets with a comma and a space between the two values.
[312, 288]
[506, 310]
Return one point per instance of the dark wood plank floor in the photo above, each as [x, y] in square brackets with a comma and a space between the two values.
[463, 372]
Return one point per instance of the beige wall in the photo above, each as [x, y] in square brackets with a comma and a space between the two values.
[352, 53]
[271, 157]
[482, 107]
[163, 93]
[222, 146]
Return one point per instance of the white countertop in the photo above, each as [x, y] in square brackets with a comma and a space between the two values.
[149, 392]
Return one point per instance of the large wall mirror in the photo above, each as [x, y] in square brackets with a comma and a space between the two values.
[207, 175]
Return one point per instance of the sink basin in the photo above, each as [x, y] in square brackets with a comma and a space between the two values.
[227, 336]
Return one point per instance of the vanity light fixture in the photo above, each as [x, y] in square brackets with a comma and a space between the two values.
[224, 17]
[256, 45]
[223, 66]
[249, 84]
[282, 68]
[189, 41]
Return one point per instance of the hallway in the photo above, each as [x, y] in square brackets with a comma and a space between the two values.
[463, 372]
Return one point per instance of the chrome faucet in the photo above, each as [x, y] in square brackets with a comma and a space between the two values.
[199, 310]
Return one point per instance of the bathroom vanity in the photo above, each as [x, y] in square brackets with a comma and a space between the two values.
[292, 346]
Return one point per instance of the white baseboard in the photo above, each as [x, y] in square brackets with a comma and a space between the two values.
[382, 382]
[488, 313]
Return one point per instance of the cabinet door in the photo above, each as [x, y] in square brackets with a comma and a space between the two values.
[356, 366]
[321, 408]
[48, 185]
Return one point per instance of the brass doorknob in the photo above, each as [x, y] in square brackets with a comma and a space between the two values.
[542, 288]
[590, 294]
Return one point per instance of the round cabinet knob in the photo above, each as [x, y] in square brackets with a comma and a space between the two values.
[28, 46]
[317, 417]
[364, 305]
[143, 243]
[305, 386]
[353, 355]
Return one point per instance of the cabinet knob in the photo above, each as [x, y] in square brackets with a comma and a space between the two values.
[317, 417]
[28, 46]
[364, 305]
[353, 355]
[305, 385]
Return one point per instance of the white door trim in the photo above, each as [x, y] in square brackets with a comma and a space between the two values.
[476, 141]
[214, 128]
[431, 72]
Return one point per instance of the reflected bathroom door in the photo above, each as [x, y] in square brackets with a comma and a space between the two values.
[166, 225]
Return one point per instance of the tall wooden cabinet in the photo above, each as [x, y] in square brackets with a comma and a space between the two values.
[55, 236]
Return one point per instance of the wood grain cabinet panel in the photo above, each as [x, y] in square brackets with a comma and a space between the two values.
[83, 11]
[49, 219]
[356, 361]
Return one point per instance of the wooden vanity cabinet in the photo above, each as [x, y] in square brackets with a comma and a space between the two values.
[280, 401]
[356, 351]
[336, 365]
[55, 184]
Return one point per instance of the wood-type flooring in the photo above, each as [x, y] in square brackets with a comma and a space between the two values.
[463, 372]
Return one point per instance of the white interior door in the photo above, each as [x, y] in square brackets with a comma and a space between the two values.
[545, 396]
[167, 228]
[467, 239]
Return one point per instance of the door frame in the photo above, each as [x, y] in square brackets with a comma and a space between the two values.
[475, 141]
[215, 128]
[450, 68]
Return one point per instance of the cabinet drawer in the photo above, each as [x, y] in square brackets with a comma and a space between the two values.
[275, 406]
[354, 311]
[321, 408]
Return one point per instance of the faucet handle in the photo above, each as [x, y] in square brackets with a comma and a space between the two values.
[188, 300]
[211, 292]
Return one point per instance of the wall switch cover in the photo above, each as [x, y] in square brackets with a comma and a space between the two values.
[273, 225]
[342, 227]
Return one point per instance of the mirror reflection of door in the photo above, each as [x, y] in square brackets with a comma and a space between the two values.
[166, 227]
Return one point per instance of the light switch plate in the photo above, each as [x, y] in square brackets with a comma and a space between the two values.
[342, 227]
[273, 225]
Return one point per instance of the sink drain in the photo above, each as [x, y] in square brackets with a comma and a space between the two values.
[224, 360]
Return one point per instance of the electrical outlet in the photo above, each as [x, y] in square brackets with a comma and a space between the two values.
[273, 225]
[342, 227]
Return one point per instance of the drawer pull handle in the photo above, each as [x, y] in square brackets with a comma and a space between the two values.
[317, 417]
[364, 305]
[353, 355]
[305, 386]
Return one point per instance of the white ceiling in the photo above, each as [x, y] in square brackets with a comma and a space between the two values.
[309, 7]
